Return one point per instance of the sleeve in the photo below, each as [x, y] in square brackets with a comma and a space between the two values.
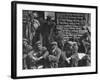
[63, 56]
[58, 54]
[30, 54]
[52, 58]
[55, 58]
[45, 52]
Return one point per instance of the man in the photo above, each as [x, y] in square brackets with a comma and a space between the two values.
[26, 49]
[86, 42]
[70, 55]
[34, 33]
[38, 57]
[54, 56]
[74, 58]
[47, 30]
[66, 54]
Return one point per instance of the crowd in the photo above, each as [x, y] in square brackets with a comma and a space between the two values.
[44, 46]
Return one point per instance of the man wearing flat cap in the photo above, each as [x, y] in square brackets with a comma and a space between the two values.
[38, 56]
[70, 54]
[54, 55]
[26, 49]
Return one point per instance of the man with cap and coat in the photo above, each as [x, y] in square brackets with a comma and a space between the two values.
[37, 58]
[69, 57]
[54, 56]
[26, 49]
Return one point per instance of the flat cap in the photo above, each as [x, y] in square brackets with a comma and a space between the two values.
[54, 43]
[38, 42]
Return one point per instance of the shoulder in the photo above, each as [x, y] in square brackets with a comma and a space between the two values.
[31, 53]
[58, 50]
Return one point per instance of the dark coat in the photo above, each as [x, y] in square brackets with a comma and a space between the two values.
[36, 54]
[54, 57]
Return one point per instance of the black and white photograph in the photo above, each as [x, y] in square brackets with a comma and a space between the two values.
[53, 39]
[56, 39]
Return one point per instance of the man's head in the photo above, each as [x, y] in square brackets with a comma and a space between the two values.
[54, 45]
[34, 15]
[58, 31]
[39, 45]
[25, 41]
[75, 47]
[68, 45]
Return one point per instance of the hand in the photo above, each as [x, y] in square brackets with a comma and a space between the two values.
[40, 58]
[68, 60]
[34, 58]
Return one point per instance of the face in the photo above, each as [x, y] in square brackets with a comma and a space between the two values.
[69, 46]
[54, 46]
[39, 46]
[25, 43]
[75, 47]
[35, 15]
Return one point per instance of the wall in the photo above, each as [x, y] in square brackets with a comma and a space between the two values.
[71, 24]
[5, 40]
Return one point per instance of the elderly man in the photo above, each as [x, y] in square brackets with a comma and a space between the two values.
[26, 49]
[38, 57]
[34, 28]
[74, 57]
[70, 55]
[54, 56]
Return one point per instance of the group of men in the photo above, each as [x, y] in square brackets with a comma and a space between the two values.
[40, 57]
[44, 47]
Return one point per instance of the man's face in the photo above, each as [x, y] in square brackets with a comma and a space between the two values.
[35, 15]
[54, 46]
[70, 46]
[25, 43]
[39, 46]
